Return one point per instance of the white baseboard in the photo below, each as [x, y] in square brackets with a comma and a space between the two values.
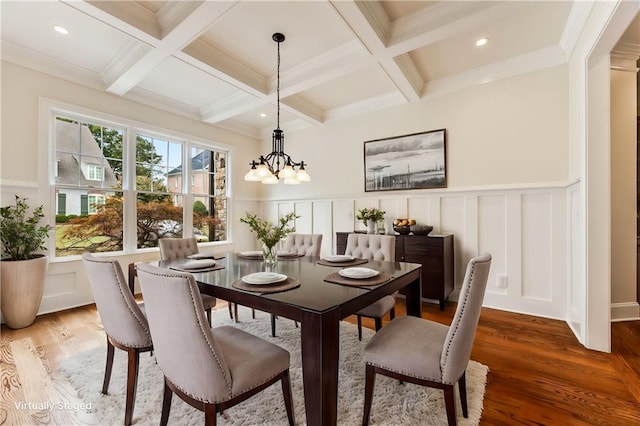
[625, 311]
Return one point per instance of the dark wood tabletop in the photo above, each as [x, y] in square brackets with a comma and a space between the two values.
[318, 306]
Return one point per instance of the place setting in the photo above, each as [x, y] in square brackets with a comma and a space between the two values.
[358, 276]
[341, 260]
[195, 265]
[265, 282]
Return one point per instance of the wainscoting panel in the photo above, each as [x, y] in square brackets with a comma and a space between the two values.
[492, 238]
[452, 220]
[536, 246]
[304, 224]
[419, 209]
[322, 214]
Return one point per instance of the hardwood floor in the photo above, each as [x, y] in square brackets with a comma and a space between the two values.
[539, 374]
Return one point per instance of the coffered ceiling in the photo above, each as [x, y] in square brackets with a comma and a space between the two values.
[215, 61]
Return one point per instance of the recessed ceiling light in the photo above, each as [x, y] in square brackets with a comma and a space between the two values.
[482, 41]
[262, 114]
[60, 29]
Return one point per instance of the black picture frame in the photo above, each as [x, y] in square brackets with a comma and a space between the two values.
[413, 161]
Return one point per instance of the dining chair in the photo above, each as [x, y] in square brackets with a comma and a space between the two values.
[374, 247]
[305, 245]
[123, 319]
[180, 248]
[428, 353]
[211, 369]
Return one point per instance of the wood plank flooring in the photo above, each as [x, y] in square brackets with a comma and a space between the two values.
[539, 374]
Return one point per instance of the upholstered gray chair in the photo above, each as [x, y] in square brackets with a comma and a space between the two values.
[211, 369]
[429, 353]
[179, 248]
[374, 247]
[123, 320]
[304, 244]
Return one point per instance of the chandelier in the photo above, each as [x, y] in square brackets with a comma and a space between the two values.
[267, 168]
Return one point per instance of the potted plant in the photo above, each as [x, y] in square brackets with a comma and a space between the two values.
[270, 234]
[23, 269]
[369, 217]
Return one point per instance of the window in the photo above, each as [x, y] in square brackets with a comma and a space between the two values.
[90, 179]
[209, 177]
[159, 211]
[94, 172]
[88, 155]
[94, 202]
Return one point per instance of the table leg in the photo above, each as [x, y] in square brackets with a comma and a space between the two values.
[320, 351]
[414, 298]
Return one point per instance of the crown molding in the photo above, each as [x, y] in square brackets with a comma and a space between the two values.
[577, 19]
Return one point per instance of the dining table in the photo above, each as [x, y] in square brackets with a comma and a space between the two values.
[314, 299]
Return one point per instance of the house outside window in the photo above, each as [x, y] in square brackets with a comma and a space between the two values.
[90, 177]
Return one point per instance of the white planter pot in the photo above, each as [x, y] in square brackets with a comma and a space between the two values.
[371, 227]
[22, 289]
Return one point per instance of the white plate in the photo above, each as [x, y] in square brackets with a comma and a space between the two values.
[251, 253]
[262, 278]
[358, 273]
[198, 264]
[201, 256]
[286, 254]
[339, 258]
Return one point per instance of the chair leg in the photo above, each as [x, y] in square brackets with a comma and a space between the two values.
[378, 322]
[166, 404]
[133, 356]
[210, 415]
[273, 325]
[359, 327]
[208, 311]
[108, 367]
[450, 404]
[369, 382]
[392, 313]
[235, 312]
[230, 310]
[296, 323]
[462, 387]
[253, 313]
[288, 400]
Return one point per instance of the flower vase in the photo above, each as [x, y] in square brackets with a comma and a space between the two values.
[371, 227]
[269, 255]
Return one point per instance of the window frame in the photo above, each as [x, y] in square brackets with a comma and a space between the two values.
[50, 109]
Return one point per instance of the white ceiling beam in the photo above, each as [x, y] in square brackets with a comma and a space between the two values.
[440, 21]
[303, 110]
[335, 63]
[371, 25]
[222, 66]
[366, 105]
[182, 34]
[236, 104]
[127, 17]
[533, 61]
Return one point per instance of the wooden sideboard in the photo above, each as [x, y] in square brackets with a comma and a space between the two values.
[434, 252]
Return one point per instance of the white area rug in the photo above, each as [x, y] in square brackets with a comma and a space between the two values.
[393, 403]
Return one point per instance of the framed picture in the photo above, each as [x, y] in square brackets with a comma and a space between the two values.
[415, 161]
